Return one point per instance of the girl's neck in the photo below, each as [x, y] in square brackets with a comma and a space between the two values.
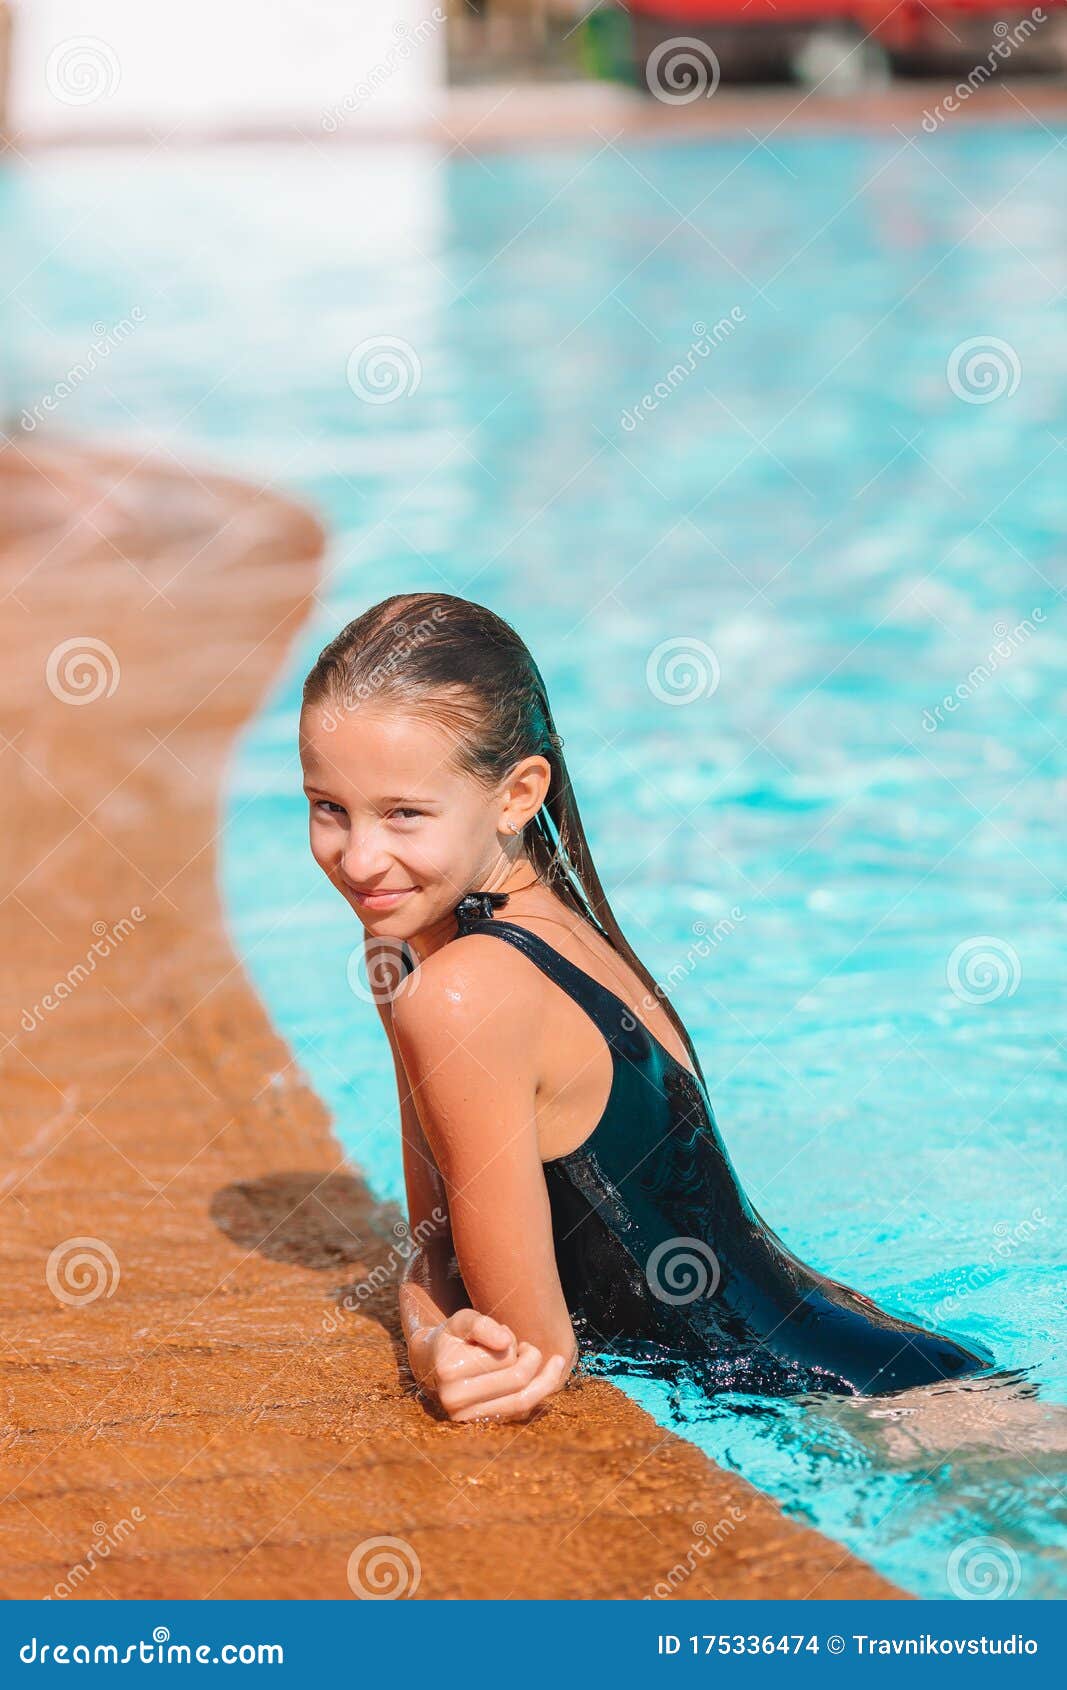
[515, 879]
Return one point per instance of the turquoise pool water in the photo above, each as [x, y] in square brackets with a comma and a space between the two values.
[834, 498]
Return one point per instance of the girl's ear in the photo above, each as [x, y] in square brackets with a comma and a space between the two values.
[527, 789]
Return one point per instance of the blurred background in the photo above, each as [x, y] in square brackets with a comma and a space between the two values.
[248, 66]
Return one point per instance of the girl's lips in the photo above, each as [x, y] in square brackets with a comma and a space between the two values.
[381, 900]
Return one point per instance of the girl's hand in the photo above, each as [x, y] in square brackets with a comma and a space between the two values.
[477, 1370]
[507, 1393]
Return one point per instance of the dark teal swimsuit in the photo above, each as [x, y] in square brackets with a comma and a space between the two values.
[660, 1252]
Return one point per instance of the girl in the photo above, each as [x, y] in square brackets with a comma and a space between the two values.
[565, 1173]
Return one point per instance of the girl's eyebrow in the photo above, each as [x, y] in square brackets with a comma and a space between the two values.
[393, 798]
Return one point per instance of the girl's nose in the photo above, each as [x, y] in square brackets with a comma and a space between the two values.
[363, 861]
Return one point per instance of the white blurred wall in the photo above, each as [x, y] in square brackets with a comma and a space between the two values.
[93, 67]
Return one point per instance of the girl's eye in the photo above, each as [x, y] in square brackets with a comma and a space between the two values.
[328, 805]
[401, 812]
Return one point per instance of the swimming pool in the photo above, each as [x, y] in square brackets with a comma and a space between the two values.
[724, 395]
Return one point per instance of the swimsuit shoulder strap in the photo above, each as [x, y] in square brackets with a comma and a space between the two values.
[609, 1013]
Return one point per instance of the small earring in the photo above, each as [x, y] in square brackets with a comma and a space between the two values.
[512, 827]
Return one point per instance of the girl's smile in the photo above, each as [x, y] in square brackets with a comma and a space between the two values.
[380, 900]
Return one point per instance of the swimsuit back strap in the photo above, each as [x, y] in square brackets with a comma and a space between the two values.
[607, 1011]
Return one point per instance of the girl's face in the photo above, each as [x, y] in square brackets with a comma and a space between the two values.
[393, 826]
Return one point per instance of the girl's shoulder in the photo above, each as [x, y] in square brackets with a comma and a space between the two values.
[465, 1024]
[476, 990]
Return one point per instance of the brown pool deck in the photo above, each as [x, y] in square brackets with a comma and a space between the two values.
[181, 1418]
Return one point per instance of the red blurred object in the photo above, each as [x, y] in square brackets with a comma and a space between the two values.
[901, 26]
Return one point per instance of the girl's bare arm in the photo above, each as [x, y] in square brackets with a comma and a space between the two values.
[430, 1286]
[470, 1362]
[464, 1043]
